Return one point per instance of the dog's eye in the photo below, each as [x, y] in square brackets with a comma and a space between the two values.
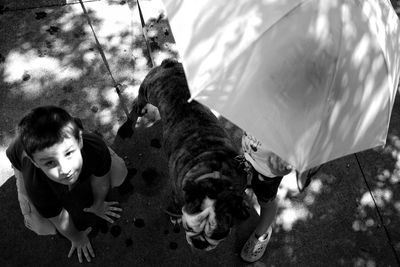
[220, 235]
[188, 228]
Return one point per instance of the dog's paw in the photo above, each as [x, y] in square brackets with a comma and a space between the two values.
[150, 115]
[138, 106]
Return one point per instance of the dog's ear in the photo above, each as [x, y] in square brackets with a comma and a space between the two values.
[194, 196]
[240, 210]
[168, 63]
[78, 122]
[232, 202]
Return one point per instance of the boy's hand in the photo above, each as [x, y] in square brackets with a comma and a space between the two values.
[105, 210]
[82, 244]
[278, 166]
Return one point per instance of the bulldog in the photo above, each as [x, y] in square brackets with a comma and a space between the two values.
[201, 157]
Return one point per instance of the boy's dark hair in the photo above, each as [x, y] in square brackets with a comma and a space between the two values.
[46, 126]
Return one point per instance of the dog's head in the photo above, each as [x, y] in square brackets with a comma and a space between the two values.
[212, 206]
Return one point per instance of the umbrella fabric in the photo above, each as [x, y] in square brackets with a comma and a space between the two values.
[312, 80]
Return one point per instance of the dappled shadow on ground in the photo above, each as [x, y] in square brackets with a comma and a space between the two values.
[53, 57]
[50, 57]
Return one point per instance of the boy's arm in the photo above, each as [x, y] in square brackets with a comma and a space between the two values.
[100, 187]
[25, 209]
[17, 173]
[79, 240]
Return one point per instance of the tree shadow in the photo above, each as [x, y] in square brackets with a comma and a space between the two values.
[49, 57]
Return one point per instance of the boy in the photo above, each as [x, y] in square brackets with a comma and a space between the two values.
[63, 176]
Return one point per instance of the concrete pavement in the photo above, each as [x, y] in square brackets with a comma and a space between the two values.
[48, 56]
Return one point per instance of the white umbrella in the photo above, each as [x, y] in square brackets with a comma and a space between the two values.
[313, 80]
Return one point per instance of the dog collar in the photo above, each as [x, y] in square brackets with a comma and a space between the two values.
[213, 175]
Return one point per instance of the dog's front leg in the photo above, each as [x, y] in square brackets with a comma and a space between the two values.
[139, 104]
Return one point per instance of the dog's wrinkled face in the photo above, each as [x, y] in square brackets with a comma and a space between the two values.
[202, 228]
[211, 207]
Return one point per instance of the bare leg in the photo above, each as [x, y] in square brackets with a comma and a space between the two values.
[255, 246]
[267, 217]
[118, 169]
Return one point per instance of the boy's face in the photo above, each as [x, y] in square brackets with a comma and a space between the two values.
[61, 162]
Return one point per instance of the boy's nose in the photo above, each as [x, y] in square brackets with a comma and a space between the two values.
[64, 168]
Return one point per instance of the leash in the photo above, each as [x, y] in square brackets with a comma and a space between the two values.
[144, 32]
[212, 175]
[117, 86]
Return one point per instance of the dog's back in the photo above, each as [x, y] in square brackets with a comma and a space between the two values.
[192, 134]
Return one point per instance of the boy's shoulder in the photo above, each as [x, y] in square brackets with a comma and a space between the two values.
[15, 152]
[95, 151]
[93, 140]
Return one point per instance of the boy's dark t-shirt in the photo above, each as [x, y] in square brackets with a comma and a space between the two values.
[50, 197]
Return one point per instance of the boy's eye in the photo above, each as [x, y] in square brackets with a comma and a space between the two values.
[49, 164]
[69, 153]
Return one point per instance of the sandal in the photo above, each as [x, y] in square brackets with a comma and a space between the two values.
[254, 249]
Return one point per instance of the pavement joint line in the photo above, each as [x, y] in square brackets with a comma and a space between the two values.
[6, 9]
[379, 213]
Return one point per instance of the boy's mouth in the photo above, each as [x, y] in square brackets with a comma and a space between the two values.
[71, 177]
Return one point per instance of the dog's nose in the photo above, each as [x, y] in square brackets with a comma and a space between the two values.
[200, 244]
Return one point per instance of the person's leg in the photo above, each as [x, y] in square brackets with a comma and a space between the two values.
[265, 189]
[32, 219]
[118, 169]
[265, 192]
[267, 217]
